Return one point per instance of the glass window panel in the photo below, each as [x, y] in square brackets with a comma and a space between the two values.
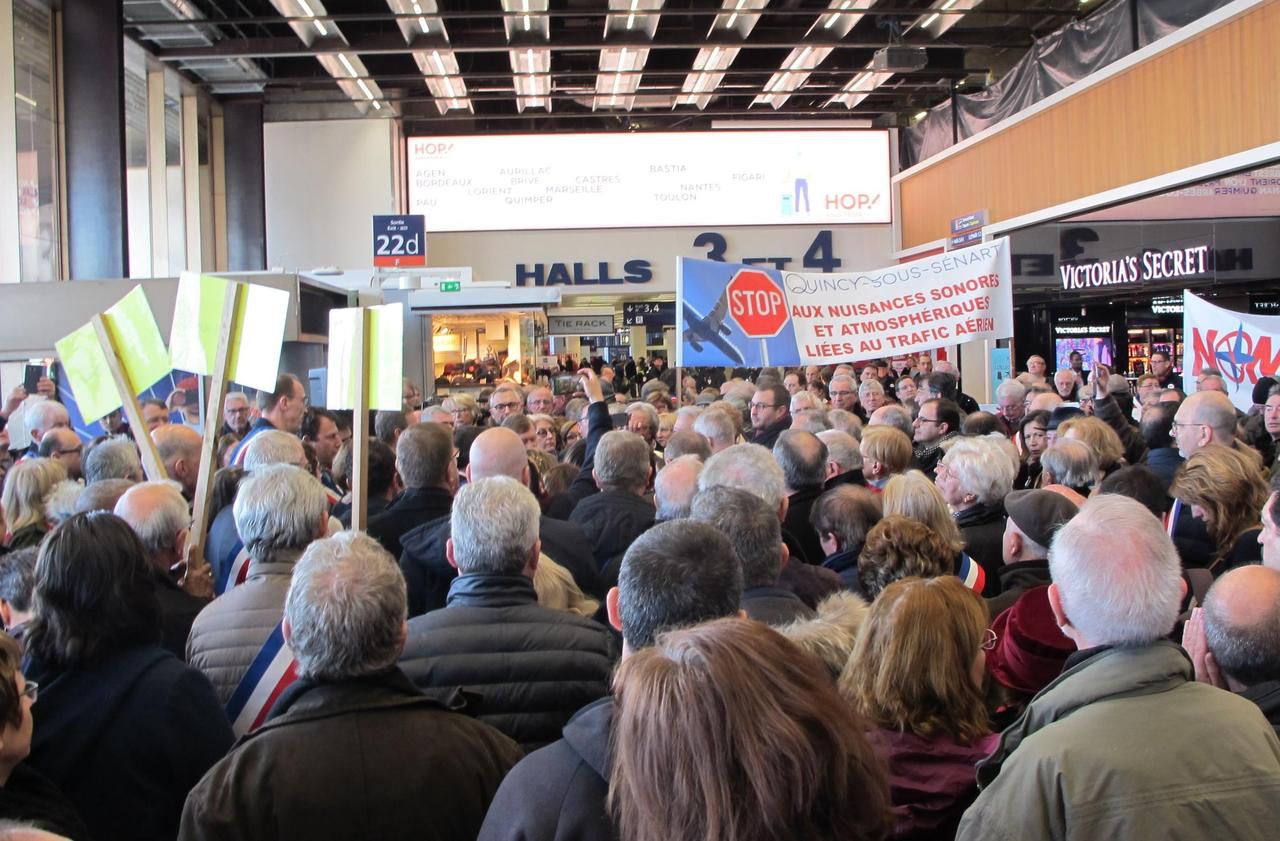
[137, 189]
[38, 207]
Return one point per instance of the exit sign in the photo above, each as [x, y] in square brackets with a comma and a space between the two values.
[450, 286]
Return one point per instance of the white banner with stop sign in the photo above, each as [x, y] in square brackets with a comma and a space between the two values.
[750, 316]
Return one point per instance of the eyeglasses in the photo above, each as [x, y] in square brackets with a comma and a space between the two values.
[755, 405]
[1179, 425]
[923, 419]
[549, 433]
[842, 393]
[506, 407]
[31, 690]
[989, 640]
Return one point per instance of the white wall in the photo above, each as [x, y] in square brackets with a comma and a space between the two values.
[324, 182]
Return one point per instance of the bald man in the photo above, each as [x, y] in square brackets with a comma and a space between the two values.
[179, 449]
[428, 575]
[1204, 418]
[674, 487]
[158, 512]
[64, 445]
[1234, 641]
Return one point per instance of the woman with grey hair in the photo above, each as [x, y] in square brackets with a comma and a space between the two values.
[974, 477]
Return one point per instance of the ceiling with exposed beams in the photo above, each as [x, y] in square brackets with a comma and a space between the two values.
[448, 66]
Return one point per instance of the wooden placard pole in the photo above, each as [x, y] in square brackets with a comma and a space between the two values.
[218, 382]
[151, 462]
[360, 429]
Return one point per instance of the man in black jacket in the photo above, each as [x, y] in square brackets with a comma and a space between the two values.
[532, 667]
[620, 513]
[429, 473]
[158, 513]
[770, 414]
[753, 529]
[675, 575]
[495, 452]
[803, 458]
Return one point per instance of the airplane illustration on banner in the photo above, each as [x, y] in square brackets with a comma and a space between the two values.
[699, 329]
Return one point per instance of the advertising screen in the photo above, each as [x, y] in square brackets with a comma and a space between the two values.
[723, 178]
[1093, 350]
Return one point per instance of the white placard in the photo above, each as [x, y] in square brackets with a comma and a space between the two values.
[547, 182]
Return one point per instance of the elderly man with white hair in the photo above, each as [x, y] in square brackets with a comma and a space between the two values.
[844, 459]
[1011, 406]
[114, 458]
[42, 416]
[158, 512]
[718, 428]
[236, 641]
[532, 667]
[974, 477]
[353, 749]
[1125, 742]
[224, 550]
[674, 487]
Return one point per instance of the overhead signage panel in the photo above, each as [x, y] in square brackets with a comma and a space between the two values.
[547, 182]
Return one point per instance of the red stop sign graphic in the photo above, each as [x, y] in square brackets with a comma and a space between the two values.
[757, 304]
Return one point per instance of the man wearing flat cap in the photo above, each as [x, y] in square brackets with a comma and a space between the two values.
[1034, 516]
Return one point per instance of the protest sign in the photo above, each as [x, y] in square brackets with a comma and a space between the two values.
[366, 370]
[739, 315]
[257, 333]
[1243, 347]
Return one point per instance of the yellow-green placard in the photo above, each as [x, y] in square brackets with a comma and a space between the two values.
[256, 339]
[197, 322]
[137, 340]
[86, 366]
[386, 357]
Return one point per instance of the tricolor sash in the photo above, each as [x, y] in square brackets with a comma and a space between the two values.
[972, 574]
[239, 568]
[269, 674]
[1171, 523]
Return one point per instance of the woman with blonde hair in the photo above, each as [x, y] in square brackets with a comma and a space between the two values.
[557, 590]
[1225, 489]
[917, 674]
[886, 450]
[913, 495]
[25, 489]
[726, 732]
[1102, 439]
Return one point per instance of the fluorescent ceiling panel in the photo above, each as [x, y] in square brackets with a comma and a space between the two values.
[841, 16]
[346, 67]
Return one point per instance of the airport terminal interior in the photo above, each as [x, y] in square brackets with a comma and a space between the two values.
[639, 420]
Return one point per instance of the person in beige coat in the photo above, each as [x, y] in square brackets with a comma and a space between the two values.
[279, 510]
[1125, 743]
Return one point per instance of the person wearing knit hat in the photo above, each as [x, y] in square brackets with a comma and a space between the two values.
[1034, 516]
[1262, 390]
[1029, 653]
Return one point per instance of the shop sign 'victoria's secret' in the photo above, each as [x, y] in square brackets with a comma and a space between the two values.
[1152, 265]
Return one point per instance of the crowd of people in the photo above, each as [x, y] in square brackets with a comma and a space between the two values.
[818, 603]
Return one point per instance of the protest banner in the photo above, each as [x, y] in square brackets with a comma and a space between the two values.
[1237, 344]
[740, 315]
[366, 371]
[112, 359]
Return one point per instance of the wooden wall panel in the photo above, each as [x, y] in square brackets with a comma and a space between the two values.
[1211, 96]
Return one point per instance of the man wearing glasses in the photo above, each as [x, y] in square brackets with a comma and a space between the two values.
[938, 422]
[64, 445]
[769, 415]
[504, 403]
[844, 394]
[235, 414]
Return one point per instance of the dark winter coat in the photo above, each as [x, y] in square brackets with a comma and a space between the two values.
[531, 667]
[611, 521]
[1267, 697]
[178, 610]
[126, 738]
[1016, 579]
[366, 758]
[558, 793]
[428, 573]
[413, 508]
[768, 436]
[774, 606]
[982, 527]
[799, 504]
